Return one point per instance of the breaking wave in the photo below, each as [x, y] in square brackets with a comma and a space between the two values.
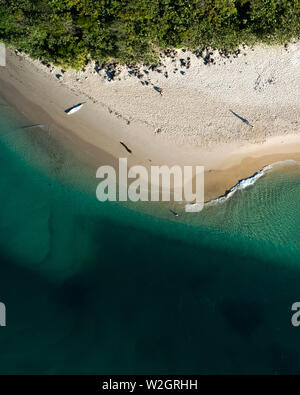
[245, 182]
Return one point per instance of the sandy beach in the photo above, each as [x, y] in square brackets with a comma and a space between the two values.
[233, 115]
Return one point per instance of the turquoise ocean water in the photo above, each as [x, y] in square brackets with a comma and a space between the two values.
[100, 288]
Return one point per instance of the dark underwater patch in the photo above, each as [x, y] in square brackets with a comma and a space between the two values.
[244, 317]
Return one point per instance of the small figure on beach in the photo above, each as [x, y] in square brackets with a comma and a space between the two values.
[159, 90]
[174, 213]
[125, 146]
[242, 119]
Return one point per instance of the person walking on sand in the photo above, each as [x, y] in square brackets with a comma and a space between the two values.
[174, 213]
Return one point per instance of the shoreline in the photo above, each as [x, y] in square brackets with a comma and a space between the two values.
[93, 134]
[251, 180]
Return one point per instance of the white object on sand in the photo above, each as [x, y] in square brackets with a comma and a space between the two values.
[74, 109]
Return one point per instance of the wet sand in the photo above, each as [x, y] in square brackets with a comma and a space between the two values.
[93, 134]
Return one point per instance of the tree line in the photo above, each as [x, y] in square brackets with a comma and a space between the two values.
[70, 32]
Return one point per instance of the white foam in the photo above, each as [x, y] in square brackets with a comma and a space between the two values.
[245, 183]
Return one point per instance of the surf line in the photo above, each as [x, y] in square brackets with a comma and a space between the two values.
[246, 182]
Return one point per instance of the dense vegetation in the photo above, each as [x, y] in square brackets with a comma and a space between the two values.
[69, 32]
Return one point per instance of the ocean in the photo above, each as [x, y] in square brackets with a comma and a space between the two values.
[101, 288]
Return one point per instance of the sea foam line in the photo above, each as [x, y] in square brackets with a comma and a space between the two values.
[246, 182]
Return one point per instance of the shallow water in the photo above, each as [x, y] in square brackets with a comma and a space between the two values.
[100, 288]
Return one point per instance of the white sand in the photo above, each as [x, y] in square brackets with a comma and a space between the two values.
[193, 114]
[263, 87]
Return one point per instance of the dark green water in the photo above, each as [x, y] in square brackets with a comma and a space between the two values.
[99, 288]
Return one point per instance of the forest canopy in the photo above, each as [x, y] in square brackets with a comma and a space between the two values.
[70, 32]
